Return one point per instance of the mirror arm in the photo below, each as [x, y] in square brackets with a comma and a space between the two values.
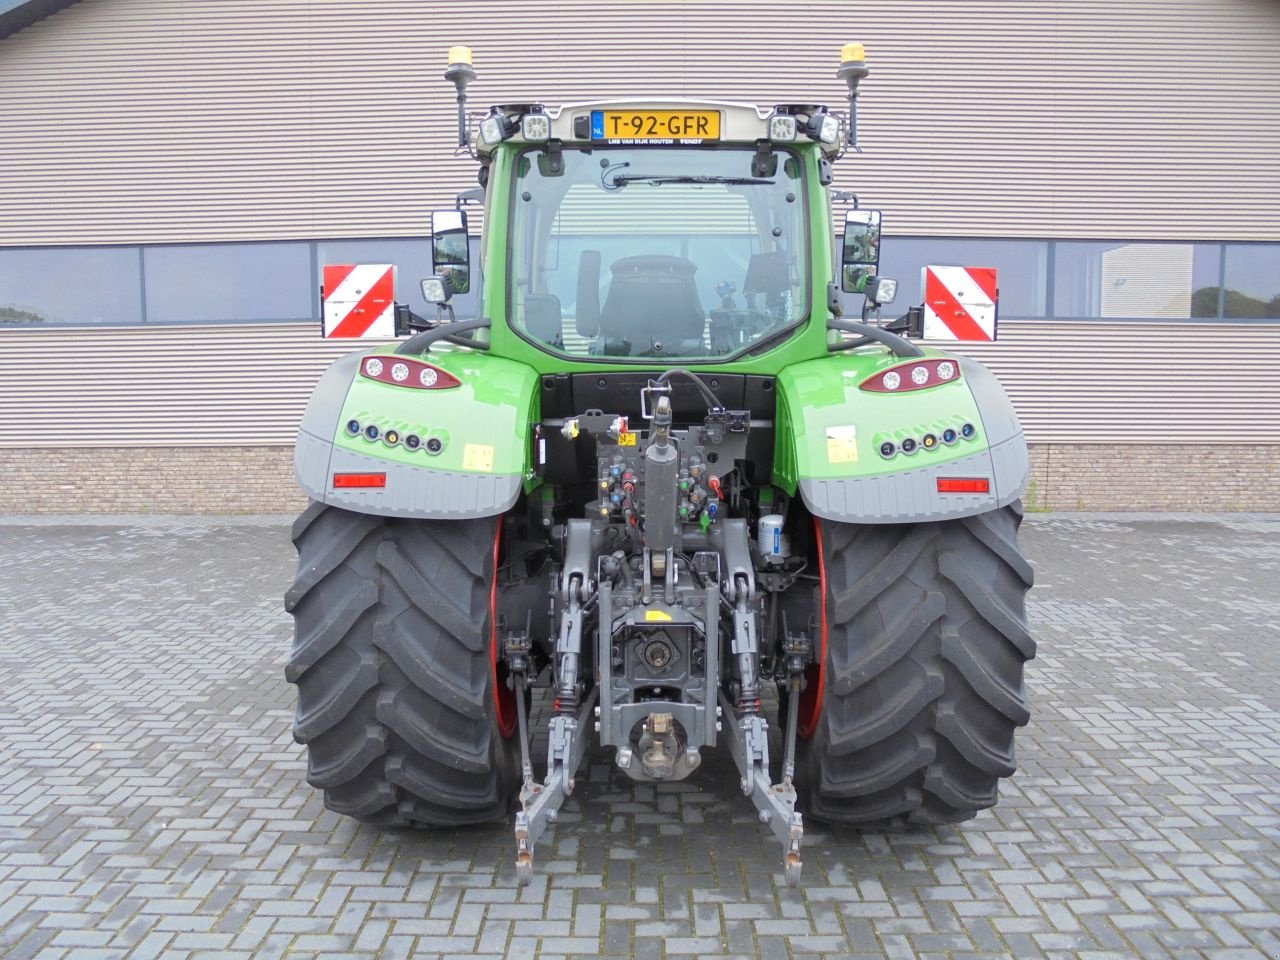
[850, 345]
[421, 343]
[910, 324]
[409, 322]
[868, 334]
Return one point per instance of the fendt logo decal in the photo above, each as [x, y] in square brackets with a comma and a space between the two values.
[960, 303]
[359, 300]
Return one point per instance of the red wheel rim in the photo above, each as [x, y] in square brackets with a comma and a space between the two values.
[504, 698]
[815, 675]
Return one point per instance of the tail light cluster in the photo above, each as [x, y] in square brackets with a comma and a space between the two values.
[947, 437]
[391, 437]
[917, 375]
[403, 372]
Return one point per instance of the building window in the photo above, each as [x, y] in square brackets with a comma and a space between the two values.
[279, 281]
[65, 285]
[1099, 280]
[210, 283]
[1252, 281]
[1022, 268]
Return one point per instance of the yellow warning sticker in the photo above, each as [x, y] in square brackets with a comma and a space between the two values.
[842, 444]
[477, 456]
[657, 615]
[626, 439]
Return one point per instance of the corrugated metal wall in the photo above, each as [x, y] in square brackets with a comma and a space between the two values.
[243, 385]
[154, 120]
[129, 121]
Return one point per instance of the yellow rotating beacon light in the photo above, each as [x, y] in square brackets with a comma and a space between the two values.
[853, 68]
[460, 72]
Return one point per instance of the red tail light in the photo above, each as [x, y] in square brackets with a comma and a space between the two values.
[403, 372]
[916, 375]
[358, 480]
[964, 485]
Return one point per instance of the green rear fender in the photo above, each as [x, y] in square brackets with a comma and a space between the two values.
[459, 452]
[831, 433]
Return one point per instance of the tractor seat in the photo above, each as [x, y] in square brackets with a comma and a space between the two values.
[654, 299]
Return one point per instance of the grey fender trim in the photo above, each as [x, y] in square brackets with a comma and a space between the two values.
[411, 491]
[999, 420]
[419, 493]
[330, 393]
[912, 495]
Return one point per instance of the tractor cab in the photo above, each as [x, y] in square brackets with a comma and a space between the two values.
[655, 229]
[651, 229]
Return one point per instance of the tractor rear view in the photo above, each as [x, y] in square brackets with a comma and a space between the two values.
[659, 477]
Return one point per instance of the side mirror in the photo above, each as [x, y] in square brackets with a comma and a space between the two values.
[861, 249]
[450, 254]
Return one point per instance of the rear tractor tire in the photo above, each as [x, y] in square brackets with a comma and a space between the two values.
[393, 660]
[911, 719]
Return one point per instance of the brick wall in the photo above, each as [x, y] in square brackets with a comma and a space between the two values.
[150, 480]
[1228, 477]
[260, 479]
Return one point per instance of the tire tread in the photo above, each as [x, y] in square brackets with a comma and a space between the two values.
[927, 639]
[391, 661]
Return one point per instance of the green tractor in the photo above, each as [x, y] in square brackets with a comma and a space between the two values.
[661, 476]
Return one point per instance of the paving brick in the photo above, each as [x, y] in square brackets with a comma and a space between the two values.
[153, 804]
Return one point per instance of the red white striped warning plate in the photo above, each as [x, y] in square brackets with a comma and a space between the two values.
[359, 300]
[960, 303]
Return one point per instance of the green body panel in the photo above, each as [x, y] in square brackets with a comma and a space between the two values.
[829, 427]
[483, 424]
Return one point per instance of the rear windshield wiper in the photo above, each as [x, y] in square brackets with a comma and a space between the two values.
[680, 178]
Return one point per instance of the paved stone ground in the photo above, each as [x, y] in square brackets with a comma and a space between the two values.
[152, 802]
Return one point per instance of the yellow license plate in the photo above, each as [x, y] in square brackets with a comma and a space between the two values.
[655, 125]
